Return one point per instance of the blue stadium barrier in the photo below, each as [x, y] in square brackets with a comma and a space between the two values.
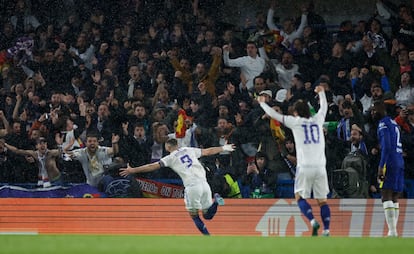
[168, 181]
[284, 189]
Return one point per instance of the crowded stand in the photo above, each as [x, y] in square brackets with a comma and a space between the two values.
[88, 87]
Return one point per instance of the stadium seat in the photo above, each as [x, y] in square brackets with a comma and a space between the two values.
[244, 189]
[284, 189]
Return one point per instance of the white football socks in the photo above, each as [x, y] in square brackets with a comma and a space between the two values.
[389, 212]
[397, 214]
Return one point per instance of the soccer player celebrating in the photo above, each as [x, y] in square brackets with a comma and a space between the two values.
[311, 173]
[391, 165]
[184, 161]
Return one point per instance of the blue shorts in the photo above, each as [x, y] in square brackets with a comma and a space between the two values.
[394, 179]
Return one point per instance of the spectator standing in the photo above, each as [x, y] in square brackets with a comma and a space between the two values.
[288, 153]
[259, 28]
[135, 147]
[49, 174]
[83, 52]
[6, 165]
[17, 137]
[339, 60]
[286, 70]
[357, 141]
[351, 115]
[22, 21]
[401, 23]
[376, 33]
[250, 66]
[405, 119]
[103, 124]
[289, 31]
[405, 93]
[94, 157]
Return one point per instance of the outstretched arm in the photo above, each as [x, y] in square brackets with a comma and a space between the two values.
[19, 151]
[217, 149]
[141, 169]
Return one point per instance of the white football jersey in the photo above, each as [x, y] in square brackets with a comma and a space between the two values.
[185, 163]
[308, 134]
[310, 149]
[309, 140]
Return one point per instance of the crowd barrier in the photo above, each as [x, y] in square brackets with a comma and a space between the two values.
[162, 188]
[166, 216]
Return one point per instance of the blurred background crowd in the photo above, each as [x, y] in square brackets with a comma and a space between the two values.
[134, 73]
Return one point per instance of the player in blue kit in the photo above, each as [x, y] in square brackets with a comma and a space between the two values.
[311, 176]
[391, 166]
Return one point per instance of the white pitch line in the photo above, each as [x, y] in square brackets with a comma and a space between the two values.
[19, 233]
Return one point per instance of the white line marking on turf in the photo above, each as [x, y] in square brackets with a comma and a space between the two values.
[19, 233]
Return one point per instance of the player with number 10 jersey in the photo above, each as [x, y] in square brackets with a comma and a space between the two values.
[311, 177]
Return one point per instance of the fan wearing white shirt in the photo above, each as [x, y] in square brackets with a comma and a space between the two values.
[184, 161]
[289, 32]
[250, 66]
[311, 176]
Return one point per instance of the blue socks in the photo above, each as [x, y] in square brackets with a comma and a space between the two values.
[211, 211]
[326, 216]
[200, 225]
[305, 208]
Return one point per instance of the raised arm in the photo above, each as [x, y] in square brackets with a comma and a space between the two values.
[268, 110]
[263, 54]
[19, 151]
[59, 141]
[115, 148]
[303, 22]
[17, 106]
[269, 19]
[3, 119]
[236, 62]
[382, 10]
[322, 100]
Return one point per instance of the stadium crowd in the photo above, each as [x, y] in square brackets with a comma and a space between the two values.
[121, 77]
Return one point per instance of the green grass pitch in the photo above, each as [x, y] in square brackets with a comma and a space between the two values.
[90, 244]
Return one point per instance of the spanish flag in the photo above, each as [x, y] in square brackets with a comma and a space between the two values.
[3, 59]
[181, 128]
[277, 131]
[272, 40]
